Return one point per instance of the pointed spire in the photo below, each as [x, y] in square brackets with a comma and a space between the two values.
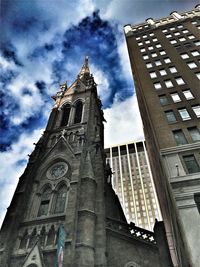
[85, 68]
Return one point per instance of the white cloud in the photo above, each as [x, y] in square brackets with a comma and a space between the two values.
[123, 122]
[102, 83]
[9, 159]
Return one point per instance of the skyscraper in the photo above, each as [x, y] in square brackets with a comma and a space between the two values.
[133, 183]
[165, 58]
[64, 212]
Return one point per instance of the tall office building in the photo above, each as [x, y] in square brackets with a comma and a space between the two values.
[133, 183]
[165, 59]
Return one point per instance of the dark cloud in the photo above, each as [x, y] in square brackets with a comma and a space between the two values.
[95, 38]
[10, 53]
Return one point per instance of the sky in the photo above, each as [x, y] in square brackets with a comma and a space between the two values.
[43, 44]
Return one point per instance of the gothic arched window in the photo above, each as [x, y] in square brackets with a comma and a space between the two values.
[78, 112]
[45, 200]
[65, 115]
[60, 199]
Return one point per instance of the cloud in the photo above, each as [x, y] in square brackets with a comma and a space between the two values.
[123, 122]
[14, 161]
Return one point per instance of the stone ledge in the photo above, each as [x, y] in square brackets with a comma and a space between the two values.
[84, 245]
[41, 220]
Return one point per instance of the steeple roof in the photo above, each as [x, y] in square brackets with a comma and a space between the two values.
[85, 68]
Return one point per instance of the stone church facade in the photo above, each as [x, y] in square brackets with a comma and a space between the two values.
[65, 183]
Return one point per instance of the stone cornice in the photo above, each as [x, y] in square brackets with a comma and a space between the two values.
[182, 148]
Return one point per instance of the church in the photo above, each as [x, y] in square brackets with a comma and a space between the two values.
[64, 212]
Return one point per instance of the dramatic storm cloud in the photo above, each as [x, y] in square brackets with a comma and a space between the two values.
[43, 44]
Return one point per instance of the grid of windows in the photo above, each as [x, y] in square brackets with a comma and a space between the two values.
[133, 184]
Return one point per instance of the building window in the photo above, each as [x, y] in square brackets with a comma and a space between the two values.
[184, 56]
[147, 42]
[172, 29]
[194, 133]
[197, 200]
[175, 97]
[197, 43]
[151, 34]
[150, 48]
[60, 200]
[173, 41]
[184, 114]
[180, 26]
[170, 116]
[65, 116]
[177, 33]
[32, 238]
[173, 70]
[162, 52]
[153, 74]
[165, 30]
[191, 163]
[137, 38]
[149, 65]
[196, 110]
[163, 100]
[158, 46]
[180, 81]
[195, 53]
[163, 72]
[185, 31]
[192, 65]
[168, 84]
[157, 86]
[78, 112]
[155, 40]
[191, 37]
[44, 204]
[145, 57]
[154, 55]
[188, 95]
[168, 36]
[144, 36]
[140, 43]
[194, 22]
[179, 137]
[158, 63]
[198, 75]
[167, 60]
[142, 50]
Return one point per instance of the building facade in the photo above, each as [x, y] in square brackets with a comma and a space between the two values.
[64, 187]
[133, 183]
[165, 60]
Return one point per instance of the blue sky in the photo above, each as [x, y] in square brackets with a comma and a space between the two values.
[43, 44]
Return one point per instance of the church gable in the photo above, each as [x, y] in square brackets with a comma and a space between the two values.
[34, 258]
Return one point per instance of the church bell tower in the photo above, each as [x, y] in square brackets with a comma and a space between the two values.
[63, 184]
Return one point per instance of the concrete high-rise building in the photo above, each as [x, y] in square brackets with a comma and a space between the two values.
[133, 183]
[165, 60]
[64, 212]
